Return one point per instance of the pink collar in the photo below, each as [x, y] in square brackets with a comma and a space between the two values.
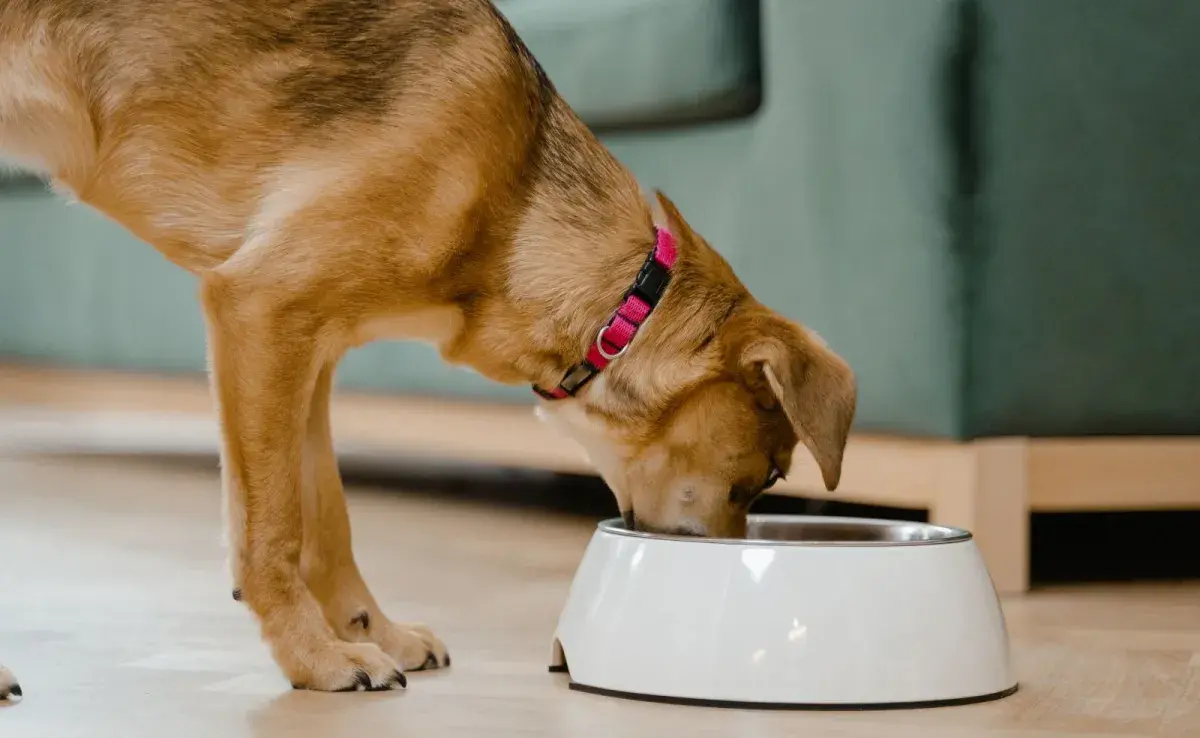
[615, 336]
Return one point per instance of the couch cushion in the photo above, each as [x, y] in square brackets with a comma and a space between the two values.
[637, 62]
[1087, 259]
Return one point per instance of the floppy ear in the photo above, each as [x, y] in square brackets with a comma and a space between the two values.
[815, 387]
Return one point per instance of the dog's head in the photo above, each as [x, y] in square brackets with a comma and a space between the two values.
[693, 424]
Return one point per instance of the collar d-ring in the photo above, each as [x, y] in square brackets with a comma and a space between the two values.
[600, 345]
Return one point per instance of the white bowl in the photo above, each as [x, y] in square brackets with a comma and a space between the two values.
[806, 612]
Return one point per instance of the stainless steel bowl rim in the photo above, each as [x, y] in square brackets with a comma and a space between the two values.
[939, 534]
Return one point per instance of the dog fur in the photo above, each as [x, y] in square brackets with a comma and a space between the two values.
[338, 171]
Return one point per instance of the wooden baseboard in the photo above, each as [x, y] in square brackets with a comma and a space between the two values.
[989, 486]
[1075, 474]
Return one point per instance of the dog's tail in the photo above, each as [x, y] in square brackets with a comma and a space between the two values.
[10, 691]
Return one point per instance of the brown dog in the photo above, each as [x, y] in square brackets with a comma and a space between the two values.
[336, 171]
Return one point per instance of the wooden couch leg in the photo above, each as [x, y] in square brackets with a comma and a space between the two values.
[987, 493]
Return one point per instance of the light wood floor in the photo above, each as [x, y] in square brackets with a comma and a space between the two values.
[115, 614]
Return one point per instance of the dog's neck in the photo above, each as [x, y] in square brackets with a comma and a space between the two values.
[583, 230]
[573, 262]
[582, 276]
[577, 239]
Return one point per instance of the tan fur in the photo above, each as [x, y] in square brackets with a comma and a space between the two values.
[337, 171]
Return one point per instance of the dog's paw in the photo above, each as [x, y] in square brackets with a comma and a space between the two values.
[338, 666]
[412, 645]
[10, 690]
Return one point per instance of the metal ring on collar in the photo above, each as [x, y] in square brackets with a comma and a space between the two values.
[600, 345]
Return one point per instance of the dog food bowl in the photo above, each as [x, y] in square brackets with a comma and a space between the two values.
[806, 612]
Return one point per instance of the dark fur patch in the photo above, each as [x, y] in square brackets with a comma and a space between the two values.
[546, 156]
[545, 87]
[355, 54]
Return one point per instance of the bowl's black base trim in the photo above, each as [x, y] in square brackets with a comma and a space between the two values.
[823, 707]
[559, 669]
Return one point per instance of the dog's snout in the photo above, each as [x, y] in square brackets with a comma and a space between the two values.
[691, 528]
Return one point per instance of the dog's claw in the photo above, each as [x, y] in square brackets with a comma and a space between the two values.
[431, 662]
[397, 678]
[362, 682]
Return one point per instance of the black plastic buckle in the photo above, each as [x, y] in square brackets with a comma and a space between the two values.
[651, 281]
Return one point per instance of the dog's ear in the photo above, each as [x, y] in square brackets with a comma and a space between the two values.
[784, 365]
[666, 214]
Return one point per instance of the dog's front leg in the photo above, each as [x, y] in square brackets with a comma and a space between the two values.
[266, 358]
[328, 558]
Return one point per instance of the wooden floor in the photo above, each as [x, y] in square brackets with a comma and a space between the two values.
[115, 614]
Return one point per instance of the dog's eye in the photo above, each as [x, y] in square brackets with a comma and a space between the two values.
[772, 478]
[743, 494]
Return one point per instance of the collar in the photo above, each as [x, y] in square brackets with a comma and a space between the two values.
[614, 337]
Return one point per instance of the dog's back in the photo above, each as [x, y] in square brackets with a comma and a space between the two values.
[198, 123]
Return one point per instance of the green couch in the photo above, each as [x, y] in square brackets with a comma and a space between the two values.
[1085, 257]
[987, 206]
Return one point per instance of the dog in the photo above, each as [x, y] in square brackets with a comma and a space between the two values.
[339, 171]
